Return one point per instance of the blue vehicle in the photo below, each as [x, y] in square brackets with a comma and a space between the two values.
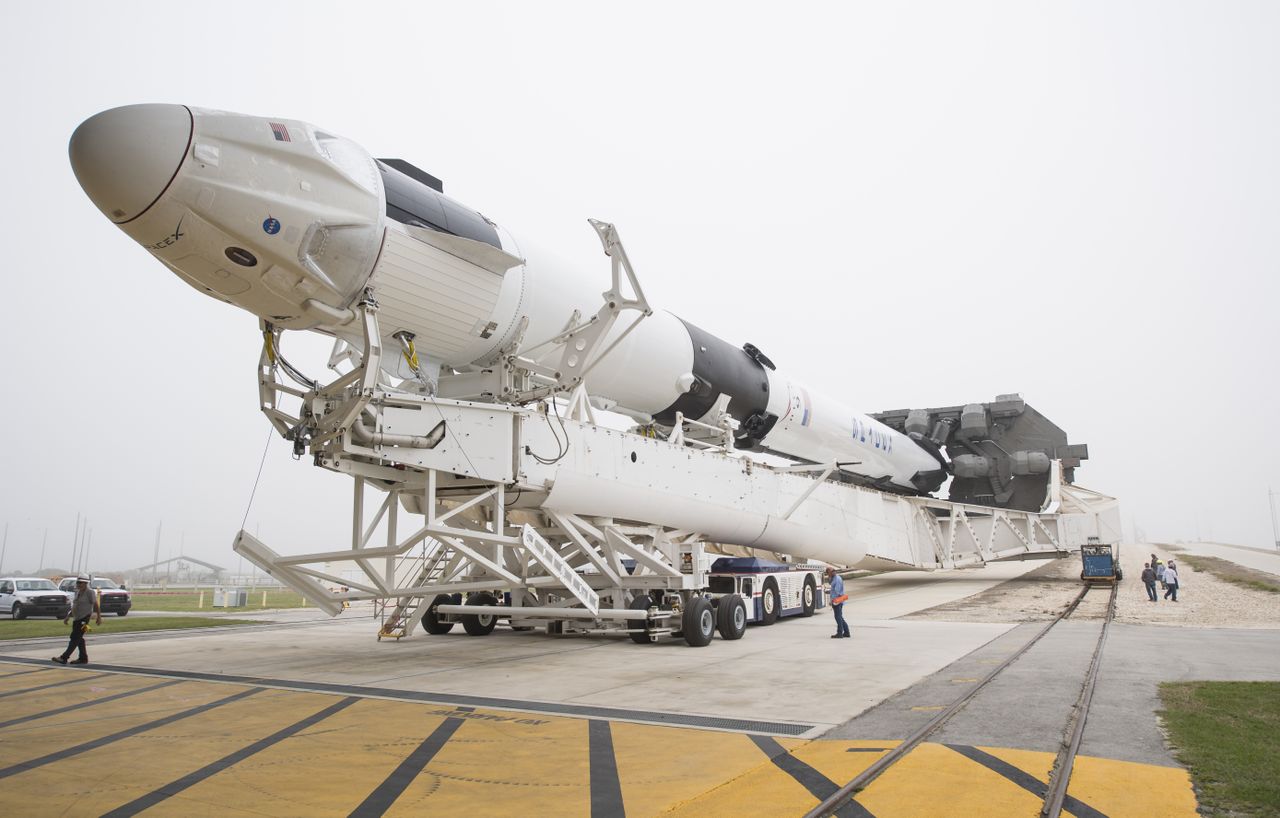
[1101, 562]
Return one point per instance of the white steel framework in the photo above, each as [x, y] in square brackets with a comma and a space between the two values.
[540, 515]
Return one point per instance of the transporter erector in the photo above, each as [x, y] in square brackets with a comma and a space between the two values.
[476, 364]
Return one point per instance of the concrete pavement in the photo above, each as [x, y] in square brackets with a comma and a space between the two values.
[594, 724]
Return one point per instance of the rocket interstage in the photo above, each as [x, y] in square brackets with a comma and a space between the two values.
[295, 224]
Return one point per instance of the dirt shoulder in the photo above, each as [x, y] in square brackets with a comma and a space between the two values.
[1204, 600]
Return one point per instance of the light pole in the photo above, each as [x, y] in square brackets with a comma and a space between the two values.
[75, 545]
[1275, 528]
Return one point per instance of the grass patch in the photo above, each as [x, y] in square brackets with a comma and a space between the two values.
[1235, 574]
[29, 628]
[188, 601]
[1228, 736]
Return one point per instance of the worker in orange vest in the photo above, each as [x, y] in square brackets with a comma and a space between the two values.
[838, 598]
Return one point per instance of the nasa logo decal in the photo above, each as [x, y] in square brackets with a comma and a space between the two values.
[271, 226]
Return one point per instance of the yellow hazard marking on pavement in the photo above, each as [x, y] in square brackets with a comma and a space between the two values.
[964, 681]
[1124, 788]
[763, 790]
[930, 707]
[29, 704]
[658, 767]
[933, 780]
[135, 766]
[241, 751]
[510, 768]
[35, 739]
[327, 769]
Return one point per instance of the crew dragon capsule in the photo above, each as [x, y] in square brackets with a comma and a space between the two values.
[295, 224]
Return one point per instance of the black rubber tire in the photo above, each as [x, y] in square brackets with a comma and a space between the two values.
[17, 611]
[809, 596]
[640, 603]
[121, 613]
[698, 622]
[480, 624]
[431, 621]
[770, 602]
[1119, 574]
[731, 617]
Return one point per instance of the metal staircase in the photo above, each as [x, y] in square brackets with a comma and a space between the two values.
[428, 568]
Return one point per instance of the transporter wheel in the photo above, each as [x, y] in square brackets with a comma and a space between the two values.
[640, 603]
[431, 620]
[480, 624]
[771, 602]
[1119, 574]
[698, 622]
[809, 596]
[121, 613]
[17, 611]
[731, 617]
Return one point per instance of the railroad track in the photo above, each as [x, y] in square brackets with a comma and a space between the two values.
[1061, 775]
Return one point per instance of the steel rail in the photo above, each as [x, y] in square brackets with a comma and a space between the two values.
[846, 793]
[1065, 762]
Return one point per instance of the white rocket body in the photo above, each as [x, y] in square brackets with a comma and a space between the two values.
[293, 224]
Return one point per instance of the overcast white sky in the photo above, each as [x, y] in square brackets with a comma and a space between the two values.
[903, 205]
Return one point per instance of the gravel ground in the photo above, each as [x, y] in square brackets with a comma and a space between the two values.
[1203, 599]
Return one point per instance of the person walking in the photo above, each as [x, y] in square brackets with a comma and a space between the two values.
[84, 606]
[1160, 569]
[1149, 580]
[1171, 581]
[838, 598]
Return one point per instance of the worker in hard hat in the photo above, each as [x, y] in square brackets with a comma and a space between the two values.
[84, 606]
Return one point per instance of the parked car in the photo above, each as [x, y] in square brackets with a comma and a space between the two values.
[111, 597]
[21, 597]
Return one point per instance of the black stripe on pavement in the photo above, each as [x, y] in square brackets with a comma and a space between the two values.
[174, 787]
[401, 777]
[25, 672]
[867, 750]
[606, 789]
[1023, 779]
[459, 700]
[132, 731]
[59, 710]
[83, 678]
[818, 785]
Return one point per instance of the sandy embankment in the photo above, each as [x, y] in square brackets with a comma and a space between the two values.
[1203, 599]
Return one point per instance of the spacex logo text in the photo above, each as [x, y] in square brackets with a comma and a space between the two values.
[168, 240]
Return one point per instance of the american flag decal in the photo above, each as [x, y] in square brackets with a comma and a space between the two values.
[280, 131]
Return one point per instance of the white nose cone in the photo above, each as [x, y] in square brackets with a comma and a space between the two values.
[125, 158]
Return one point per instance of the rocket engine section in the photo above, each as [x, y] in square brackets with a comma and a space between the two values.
[295, 225]
[1001, 452]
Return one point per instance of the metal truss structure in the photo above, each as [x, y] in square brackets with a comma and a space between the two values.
[613, 532]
